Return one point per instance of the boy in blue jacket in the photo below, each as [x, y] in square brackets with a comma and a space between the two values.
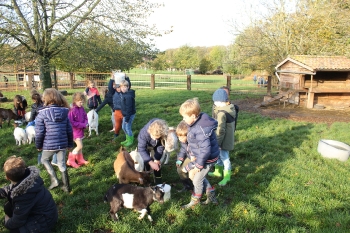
[203, 146]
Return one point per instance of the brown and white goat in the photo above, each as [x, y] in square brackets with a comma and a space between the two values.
[125, 170]
[133, 197]
[7, 114]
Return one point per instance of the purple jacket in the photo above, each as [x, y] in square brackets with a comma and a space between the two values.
[78, 118]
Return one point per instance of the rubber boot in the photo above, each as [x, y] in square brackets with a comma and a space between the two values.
[52, 174]
[39, 157]
[227, 178]
[217, 172]
[65, 180]
[210, 197]
[130, 140]
[194, 201]
[71, 160]
[80, 159]
[124, 142]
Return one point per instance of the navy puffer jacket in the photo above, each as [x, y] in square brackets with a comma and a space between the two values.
[53, 130]
[128, 106]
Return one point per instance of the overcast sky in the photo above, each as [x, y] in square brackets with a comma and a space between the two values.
[196, 22]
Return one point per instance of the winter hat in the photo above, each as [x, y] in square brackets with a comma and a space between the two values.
[220, 95]
[118, 77]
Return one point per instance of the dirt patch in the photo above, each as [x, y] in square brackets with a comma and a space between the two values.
[294, 112]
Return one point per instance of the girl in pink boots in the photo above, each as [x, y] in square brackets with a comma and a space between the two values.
[78, 119]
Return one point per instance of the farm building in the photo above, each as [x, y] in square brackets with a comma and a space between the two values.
[315, 81]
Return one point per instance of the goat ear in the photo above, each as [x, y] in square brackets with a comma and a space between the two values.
[141, 180]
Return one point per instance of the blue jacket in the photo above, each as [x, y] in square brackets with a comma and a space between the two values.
[53, 130]
[128, 104]
[32, 205]
[117, 101]
[202, 142]
[144, 140]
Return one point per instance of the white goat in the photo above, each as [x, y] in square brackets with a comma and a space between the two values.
[171, 144]
[138, 161]
[20, 135]
[30, 130]
[93, 121]
[27, 116]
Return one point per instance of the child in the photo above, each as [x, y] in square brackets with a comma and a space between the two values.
[152, 138]
[20, 105]
[78, 118]
[224, 113]
[30, 206]
[128, 110]
[93, 95]
[202, 144]
[54, 134]
[37, 104]
[117, 114]
[182, 157]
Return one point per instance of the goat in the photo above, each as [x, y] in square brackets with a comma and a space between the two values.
[93, 121]
[7, 114]
[20, 135]
[138, 161]
[27, 116]
[30, 130]
[133, 197]
[125, 170]
[171, 144]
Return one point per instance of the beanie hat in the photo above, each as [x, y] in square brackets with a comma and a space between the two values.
[220, 95]
[118, 77]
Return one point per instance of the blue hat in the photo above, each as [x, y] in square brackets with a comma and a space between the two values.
[220, 95]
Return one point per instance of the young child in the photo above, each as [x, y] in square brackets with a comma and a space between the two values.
[224, 113]
[20, 105]
[93, 96]
[54, 134]
[37, 104]
[30, 206]
[152, 138]
[129, 111]
[78, 118]
[117, 114]
[202, 144]
[183, 158]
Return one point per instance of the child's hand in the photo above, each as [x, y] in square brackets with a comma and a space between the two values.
[154, 166]
[157, 162]
[39, 149]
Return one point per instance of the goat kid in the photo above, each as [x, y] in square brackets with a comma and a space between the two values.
[138, 161]
[30, 130]
[92, 121]
[171, 144]
[20, 135]
[133, 197]
[7, 114]
[125, 170]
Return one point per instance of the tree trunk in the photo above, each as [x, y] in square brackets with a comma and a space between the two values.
[45, 76]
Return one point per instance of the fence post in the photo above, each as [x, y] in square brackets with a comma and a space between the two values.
[55, 79]
[189, 82]
[71, 77]
[269, 79]
[153, 82]
[228, 82]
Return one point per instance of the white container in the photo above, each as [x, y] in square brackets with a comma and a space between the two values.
[333, 149]
[167, 193]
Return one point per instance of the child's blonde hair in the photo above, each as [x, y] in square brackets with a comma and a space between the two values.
[79, 96]
[182, 129]
[190, 107]
[158, 128]
[91, 81]
[14, 168]
[52, 96]
[124, 83]
[34, 91]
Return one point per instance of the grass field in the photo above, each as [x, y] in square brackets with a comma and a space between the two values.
[280, 183]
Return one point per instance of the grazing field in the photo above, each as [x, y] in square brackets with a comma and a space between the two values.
[279, 183]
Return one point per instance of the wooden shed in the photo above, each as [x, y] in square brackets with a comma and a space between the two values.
[308, 80]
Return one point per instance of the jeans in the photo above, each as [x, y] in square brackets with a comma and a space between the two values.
[61, 158]
[127, 126]
[224, 159]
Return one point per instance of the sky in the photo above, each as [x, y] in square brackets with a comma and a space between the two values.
[196, 22]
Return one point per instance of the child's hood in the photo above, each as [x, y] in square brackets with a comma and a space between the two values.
[56, 113]
[230, 109]
[130, 92]
[206, 123]
[29, 182]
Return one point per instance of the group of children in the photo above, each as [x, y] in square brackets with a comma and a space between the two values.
[205, 142]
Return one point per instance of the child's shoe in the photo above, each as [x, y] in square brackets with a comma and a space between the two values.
[227, 178]
[80, 159]
[129, 141]
[71, 160]
[217, 172]
[194, 201]
[210, 197]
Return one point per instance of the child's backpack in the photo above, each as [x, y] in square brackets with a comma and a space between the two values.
[229, 118]
[236, 117]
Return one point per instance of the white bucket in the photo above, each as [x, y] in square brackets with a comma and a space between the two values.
[333, 149]
[167, 193]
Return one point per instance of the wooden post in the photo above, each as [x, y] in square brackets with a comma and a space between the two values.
[269, 79]
[55, 79]
[153, 81]
[228, 82]
[189, 82]
[71, 80]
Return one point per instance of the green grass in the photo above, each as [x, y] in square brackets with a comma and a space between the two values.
[279, 183]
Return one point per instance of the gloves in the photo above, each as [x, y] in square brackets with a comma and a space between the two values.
[178, 163]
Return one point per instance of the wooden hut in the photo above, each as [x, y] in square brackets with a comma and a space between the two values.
[312, 81]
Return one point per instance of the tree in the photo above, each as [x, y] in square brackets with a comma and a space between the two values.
[205, 65]
[45, 27]
[185, 57]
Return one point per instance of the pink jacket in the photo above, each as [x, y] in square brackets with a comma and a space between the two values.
[78, 118]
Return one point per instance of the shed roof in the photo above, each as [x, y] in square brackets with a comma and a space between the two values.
[319, 63]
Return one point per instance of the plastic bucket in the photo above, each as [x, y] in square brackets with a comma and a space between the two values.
[333, 149]
[167, 193]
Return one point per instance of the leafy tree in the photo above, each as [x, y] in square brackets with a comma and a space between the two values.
[185, 57]
[205, 65]
[217, 55]
[45, 28]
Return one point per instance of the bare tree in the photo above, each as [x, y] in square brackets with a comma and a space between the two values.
[44, 26]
